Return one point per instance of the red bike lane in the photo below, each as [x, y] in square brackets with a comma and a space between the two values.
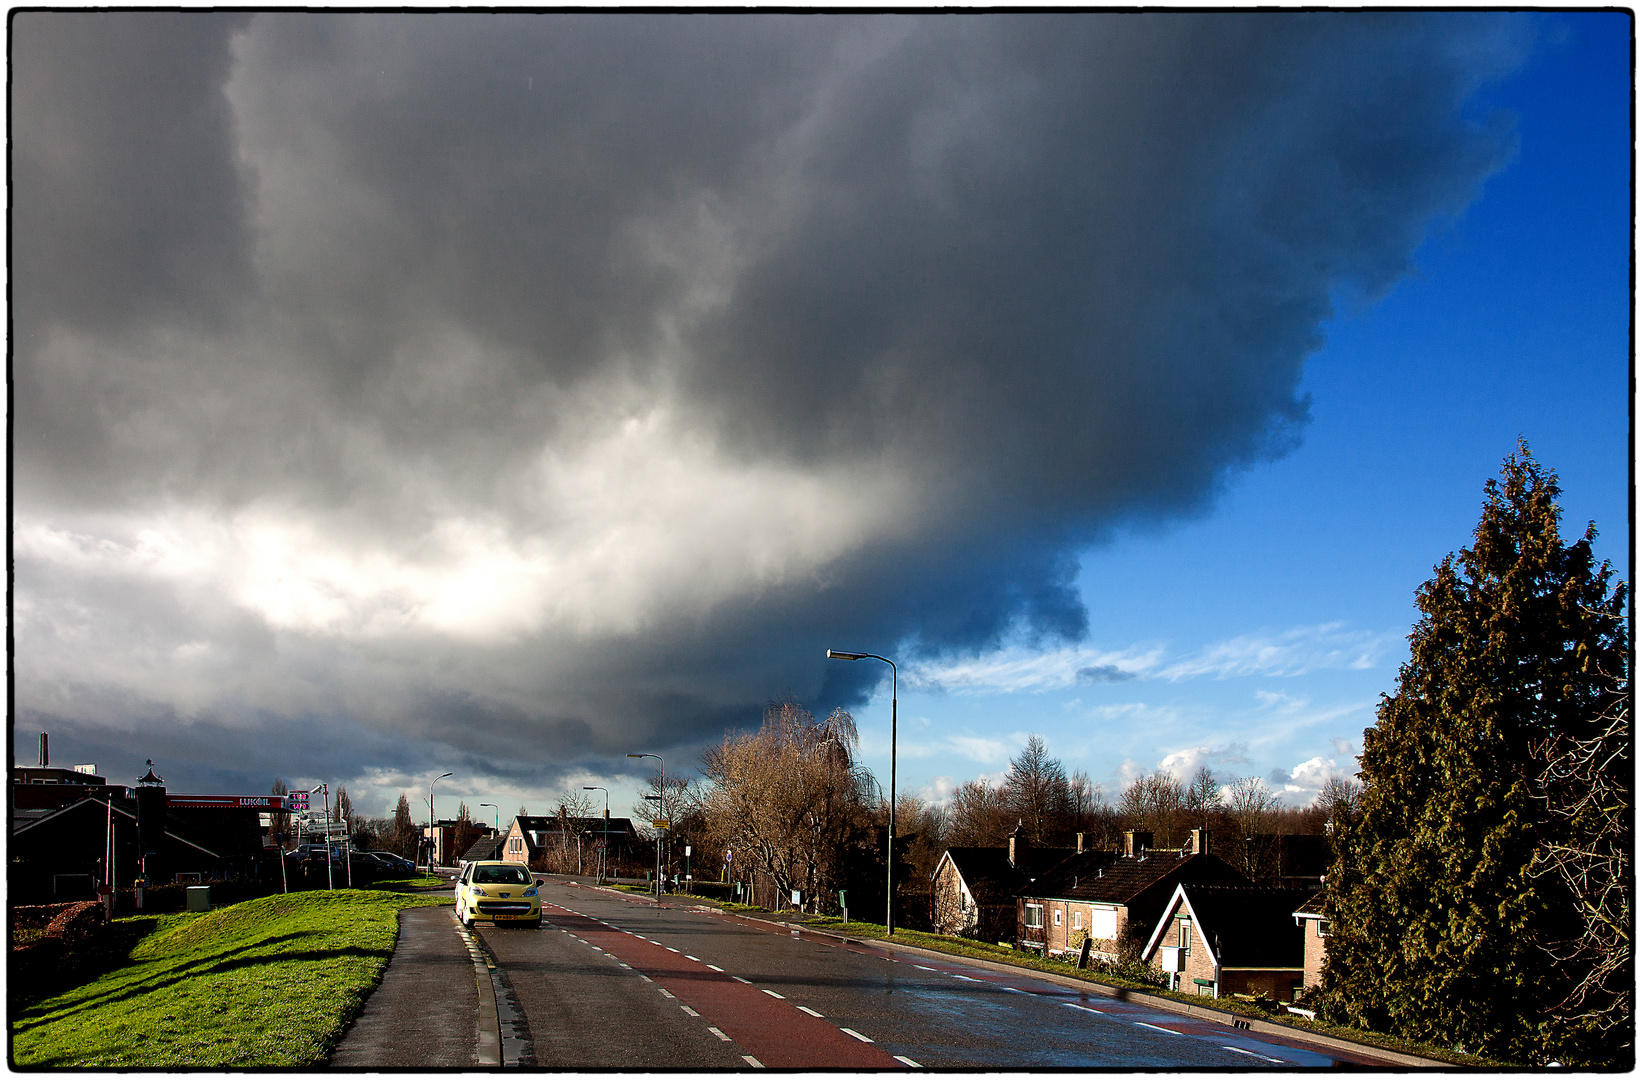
[771, 1030]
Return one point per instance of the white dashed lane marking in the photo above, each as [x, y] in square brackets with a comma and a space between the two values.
[773, 994]
[719, 1033]
[715, 967]
[812, 1012]
[1154, 1027]
[754, 1062]
[907, 1061]
[689, 1010]
[852, 1033]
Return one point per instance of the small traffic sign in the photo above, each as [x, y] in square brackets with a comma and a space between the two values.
[661, 823]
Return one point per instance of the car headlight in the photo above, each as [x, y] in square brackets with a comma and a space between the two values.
[530, 891]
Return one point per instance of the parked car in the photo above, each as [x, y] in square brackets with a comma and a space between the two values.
[500, 893]
[388, 862]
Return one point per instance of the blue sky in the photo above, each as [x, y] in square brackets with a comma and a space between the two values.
[509, 393]
[1516, 322]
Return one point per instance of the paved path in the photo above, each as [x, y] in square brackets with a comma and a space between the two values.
[424, 1013]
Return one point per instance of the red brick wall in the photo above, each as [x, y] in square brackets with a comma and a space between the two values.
[1316, 952]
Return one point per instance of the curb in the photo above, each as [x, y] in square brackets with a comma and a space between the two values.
[489, 1043]
[1201, 1012]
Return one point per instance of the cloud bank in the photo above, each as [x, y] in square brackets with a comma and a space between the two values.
[513, 391]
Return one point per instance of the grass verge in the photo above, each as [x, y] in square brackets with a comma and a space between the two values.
[1006, 955]
[267, 983]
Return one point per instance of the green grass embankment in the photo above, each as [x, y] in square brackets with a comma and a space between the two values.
[267, 983]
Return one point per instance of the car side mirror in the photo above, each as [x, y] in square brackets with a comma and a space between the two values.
[541, 881]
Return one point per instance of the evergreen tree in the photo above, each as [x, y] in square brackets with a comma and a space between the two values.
[404, 829]
[1438, 908]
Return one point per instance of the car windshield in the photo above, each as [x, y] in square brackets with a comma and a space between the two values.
[500, 875]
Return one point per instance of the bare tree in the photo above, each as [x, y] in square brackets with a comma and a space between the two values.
[1155, 803]
[405, 839]
[1253, 811]
[281, 823]
[1586, 788]
[791, 799]
[979, 816]
[1036, 791]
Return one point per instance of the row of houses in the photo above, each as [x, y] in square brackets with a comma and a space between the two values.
[1192, 916]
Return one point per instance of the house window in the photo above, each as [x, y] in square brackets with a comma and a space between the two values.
[1322, 928]
[1034, 916]
[1077, 920]
[1186, 936]
[1057, 916]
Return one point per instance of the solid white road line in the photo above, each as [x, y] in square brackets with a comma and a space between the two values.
[812, 1012]
[854, 1034]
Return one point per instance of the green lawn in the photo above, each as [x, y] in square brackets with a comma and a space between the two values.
[266, 983]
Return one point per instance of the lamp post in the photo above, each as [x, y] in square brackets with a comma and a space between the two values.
[661, 808]
[433, 822]
[833, 654]
[604, 846]
[496, 817]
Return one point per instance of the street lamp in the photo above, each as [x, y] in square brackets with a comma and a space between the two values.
[605, 842]
[661, 808]
[497, 817]
[433, 821]
[833, 654]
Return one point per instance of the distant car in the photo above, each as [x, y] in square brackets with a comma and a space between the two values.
[388, 862]
[499, 893]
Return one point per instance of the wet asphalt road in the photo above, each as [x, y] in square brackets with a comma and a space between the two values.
[616, 983]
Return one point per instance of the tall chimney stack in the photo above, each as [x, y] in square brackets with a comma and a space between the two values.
[1135, 843]
[45, 750]
[1080, 843]
[1199, 842]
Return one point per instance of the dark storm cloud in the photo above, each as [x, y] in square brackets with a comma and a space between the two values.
[388, 279]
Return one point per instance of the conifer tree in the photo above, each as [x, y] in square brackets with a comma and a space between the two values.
[1439, 908]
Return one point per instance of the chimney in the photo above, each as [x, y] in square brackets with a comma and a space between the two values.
[1080, 843]
[1136, 843]
[1017, 844]
[1199, 842]
[45, 750]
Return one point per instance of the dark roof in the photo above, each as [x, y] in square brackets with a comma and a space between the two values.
[1313, 905]
[1250, 927]
[992, 879]
[1104, 877]
[485, 848]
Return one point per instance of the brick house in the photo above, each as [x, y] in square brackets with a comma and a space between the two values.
[972, 892]
[1313, 924]
[1215, 940]
[528, 837]
[1099, 895]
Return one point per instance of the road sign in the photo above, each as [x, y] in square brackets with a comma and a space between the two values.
[661, 823]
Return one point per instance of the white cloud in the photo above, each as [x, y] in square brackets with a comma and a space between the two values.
[1291, 652]
[1305, 781]
[938, 792]
[1183, 764]
[1019, 670]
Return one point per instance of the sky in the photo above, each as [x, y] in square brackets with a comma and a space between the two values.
[502, 395]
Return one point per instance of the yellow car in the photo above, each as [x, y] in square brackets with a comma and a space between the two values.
[499, 892]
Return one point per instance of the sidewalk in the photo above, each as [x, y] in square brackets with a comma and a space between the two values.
[425, 1012]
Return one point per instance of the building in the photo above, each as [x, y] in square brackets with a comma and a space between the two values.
[973, 888]
[530, 838]
[1215, 940]
[1099, 895]
[113, 833]
[1313, 923]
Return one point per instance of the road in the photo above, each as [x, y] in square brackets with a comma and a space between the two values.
[609, 982]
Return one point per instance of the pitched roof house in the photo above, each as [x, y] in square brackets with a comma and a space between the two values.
[1098, 895]
[529, 835]
[973, 888]
[1220, 940]
[1313, 922]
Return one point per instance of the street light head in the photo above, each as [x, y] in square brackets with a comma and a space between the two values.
[834, 654]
